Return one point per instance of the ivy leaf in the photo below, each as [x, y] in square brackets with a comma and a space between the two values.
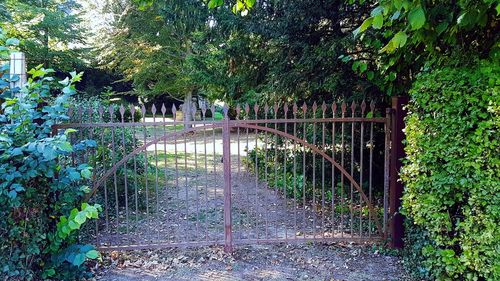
[417, 18]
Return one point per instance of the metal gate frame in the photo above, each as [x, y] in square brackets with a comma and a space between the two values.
[228, 124]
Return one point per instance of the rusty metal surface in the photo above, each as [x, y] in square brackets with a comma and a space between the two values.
[269, 174]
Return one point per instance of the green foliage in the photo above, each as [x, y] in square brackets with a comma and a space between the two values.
[49, 31]
[40, 189]
[152, 46]
[408, 36]
[452, 171]
[280, 51]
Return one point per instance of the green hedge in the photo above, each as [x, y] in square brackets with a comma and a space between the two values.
[452, 171]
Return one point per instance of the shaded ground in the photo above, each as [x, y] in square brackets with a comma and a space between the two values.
[270, 262]
[187, 206]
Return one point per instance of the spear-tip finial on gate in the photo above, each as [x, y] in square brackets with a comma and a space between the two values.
[153, 110]
[256, 109]
[314, 107]
[225, 109]
[363, 108]
[100, 111]
[304, 108]
[247, 108]
[372, 108]
[343, 107]
[203, 107]
[285, 108]
[212, 109]
[323, 108]
[295, 109]
[193, 109]
[276, 108]
[132, 112]
[111, 111]
[122, 112]
[174, 112]
[353, 108]
[143, 111]
[163, 109]
[266, 110]
[238, 109]
[334, 108]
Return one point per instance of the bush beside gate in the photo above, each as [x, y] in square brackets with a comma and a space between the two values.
[452, 172]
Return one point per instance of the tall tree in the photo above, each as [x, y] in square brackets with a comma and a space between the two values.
[283, 50]
[152, 46]
[50, 31]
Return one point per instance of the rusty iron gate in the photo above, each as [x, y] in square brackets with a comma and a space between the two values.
[235, 176]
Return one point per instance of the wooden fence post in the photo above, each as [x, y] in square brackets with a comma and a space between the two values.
[395, 186]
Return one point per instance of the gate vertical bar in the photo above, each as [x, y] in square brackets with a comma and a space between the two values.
[226, 151]
[396, 187]
[387, 160]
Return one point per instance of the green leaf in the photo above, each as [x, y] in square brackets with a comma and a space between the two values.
[378, 21]
[212, 4]
[417, 18]
[441, 27]
[66, 146]
[250, 3]
[69, 131]
[73, 225]
[12, 42]
[362, 67]
[363, 26]
[370, 75]
[377, 11]
[79, 259]
[86, 174]
[74, 176]
[400, 39]
[81, 218]
[92, 254]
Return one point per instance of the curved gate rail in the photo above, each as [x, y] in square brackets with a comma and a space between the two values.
[268, 174]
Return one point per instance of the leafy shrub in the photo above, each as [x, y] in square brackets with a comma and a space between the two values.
[123, 139]
[40, 191]
[452, 170]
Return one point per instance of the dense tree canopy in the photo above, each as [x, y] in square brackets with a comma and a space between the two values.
[49, 30]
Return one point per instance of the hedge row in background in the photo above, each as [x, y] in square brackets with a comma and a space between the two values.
[452, 172]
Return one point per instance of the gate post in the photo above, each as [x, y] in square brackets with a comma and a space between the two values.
[396, 187]
[226, 159]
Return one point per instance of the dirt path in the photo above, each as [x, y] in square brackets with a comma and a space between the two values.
[188, 207]
[270, 262]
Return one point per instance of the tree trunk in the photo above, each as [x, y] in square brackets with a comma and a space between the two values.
[186, 109]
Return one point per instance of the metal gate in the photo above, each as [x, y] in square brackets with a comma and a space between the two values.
[235, 176]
